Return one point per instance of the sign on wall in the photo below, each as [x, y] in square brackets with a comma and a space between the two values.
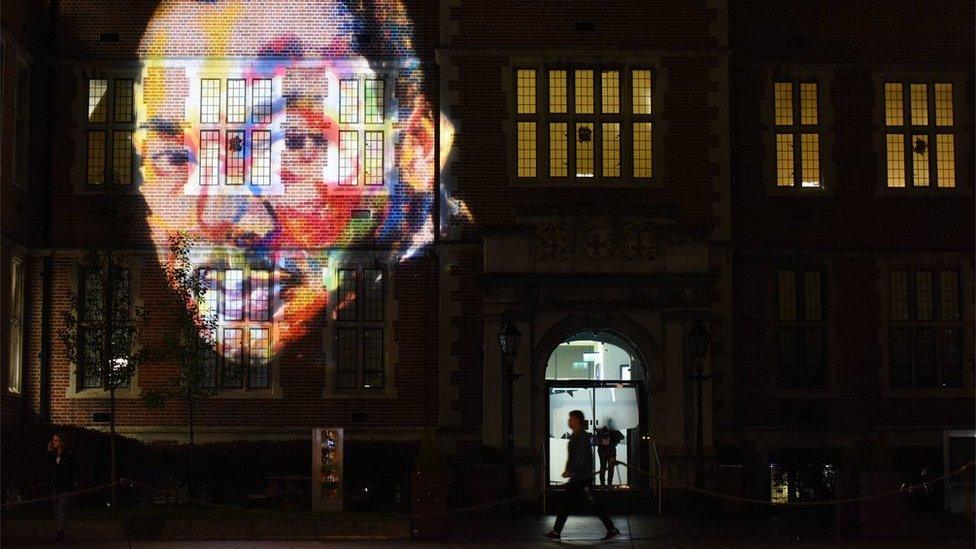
[327, 469]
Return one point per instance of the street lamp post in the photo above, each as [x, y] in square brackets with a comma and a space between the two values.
[508, 339]
[698, 339]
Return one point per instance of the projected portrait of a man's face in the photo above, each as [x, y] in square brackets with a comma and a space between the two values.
[282, 144]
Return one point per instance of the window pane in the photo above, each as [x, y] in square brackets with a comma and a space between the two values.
[923, 295]
[210, 157]
[348, 158]
[901, 357]
[93, 300]
[123, 100]
[920, 104]
[526, 91]
[375, 101]
[894, 104]
[121, 297]
[97, 101]
[558, 155]
[784, 103]
[812, 296]
[642, 149]
[259, 295]
[784, 160]
[584, 150]
[642, 91]
[557, 92]
[943, 104]
[898, 288]
[209, 374]
[810, 157]
[235, 101]
[235, 157]
[920, 160]
[925, 375]
[261, 157]
[90, 347]
[96, 158]
[210, 101]
[583, 87]
[786, 354]
[611, 149]
[949, 296]
[373, 160]
[610, 92]
[896, 159]
[261, 101]
[945, 156]
[233, 341]
[346, 357]
[348, 101]
[122, 157]
[951, 357]
[808, 103]
[373, 358]
[233, 294]
[16, 324]
[258, 354]
[813, 357]
[526, 149]
[346, 294]
[786, 296]
[373, 286]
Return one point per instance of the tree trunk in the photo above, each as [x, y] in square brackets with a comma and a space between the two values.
[192, 483]
[111, 445]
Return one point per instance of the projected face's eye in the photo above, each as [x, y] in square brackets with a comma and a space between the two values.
[172, 157]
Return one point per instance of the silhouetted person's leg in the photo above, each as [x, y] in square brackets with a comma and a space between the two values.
[595, 507]
[603, 471]
[573, 493]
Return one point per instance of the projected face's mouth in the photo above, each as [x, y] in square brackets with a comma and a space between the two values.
[314, 202]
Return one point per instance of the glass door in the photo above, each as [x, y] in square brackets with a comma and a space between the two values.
[562, 400]
[616, 422]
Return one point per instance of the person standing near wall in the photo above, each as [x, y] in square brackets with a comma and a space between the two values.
[63, 479]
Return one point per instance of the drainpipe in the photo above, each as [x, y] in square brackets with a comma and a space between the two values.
[44, 406]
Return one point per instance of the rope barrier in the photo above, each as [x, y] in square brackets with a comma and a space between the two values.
[844, 501]
[56, 496]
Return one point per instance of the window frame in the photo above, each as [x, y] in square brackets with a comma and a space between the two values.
[360, 324]
[930, 130]
[109, 128]
[362, 127]
[625, 117]
[801, 325]
[20, 162]
[18, 295]
[796, 75]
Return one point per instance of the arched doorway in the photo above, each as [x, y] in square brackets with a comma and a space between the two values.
[602, 374]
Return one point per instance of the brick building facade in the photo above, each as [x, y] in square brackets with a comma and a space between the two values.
[375, 191]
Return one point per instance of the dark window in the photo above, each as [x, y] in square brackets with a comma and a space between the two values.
[800, 329]
[93, 301]
[925, 332]
[359, 337]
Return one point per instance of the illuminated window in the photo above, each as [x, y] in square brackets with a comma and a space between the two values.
[122, 157]
[558, 151]
[16, 335]
[641, 91]
[611, 149]
[235, 157]
[123, 100]
[233, 308]
[924, 329]
[373, 158]
[526, 91]
[348, 157]
[235, 101]
[375, 113]
[260, 295]
[583, 87]
[209, 160]
[360, 360]
[605, 141]
[261, 157]
[348, 101]
[557, 92]
[233, 343]
[110, 122]
[258, 355]
[261, 101]
[797, 122]
[610, 92]
[642, 149]
[210, 101]
[800, 329]
[526, 149]
[96, 157]
[919, 138]
[584, 150]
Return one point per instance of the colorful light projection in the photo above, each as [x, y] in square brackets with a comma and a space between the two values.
[247, 146]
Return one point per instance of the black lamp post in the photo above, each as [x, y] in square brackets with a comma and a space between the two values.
[698, 345]
[508, 339]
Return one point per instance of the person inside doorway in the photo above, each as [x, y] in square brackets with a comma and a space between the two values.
[579, 471]
[607, 438]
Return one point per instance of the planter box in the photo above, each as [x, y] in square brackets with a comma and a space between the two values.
[428, 493]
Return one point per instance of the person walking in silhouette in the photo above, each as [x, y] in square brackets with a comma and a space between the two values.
[63, 479]
[579, 471]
